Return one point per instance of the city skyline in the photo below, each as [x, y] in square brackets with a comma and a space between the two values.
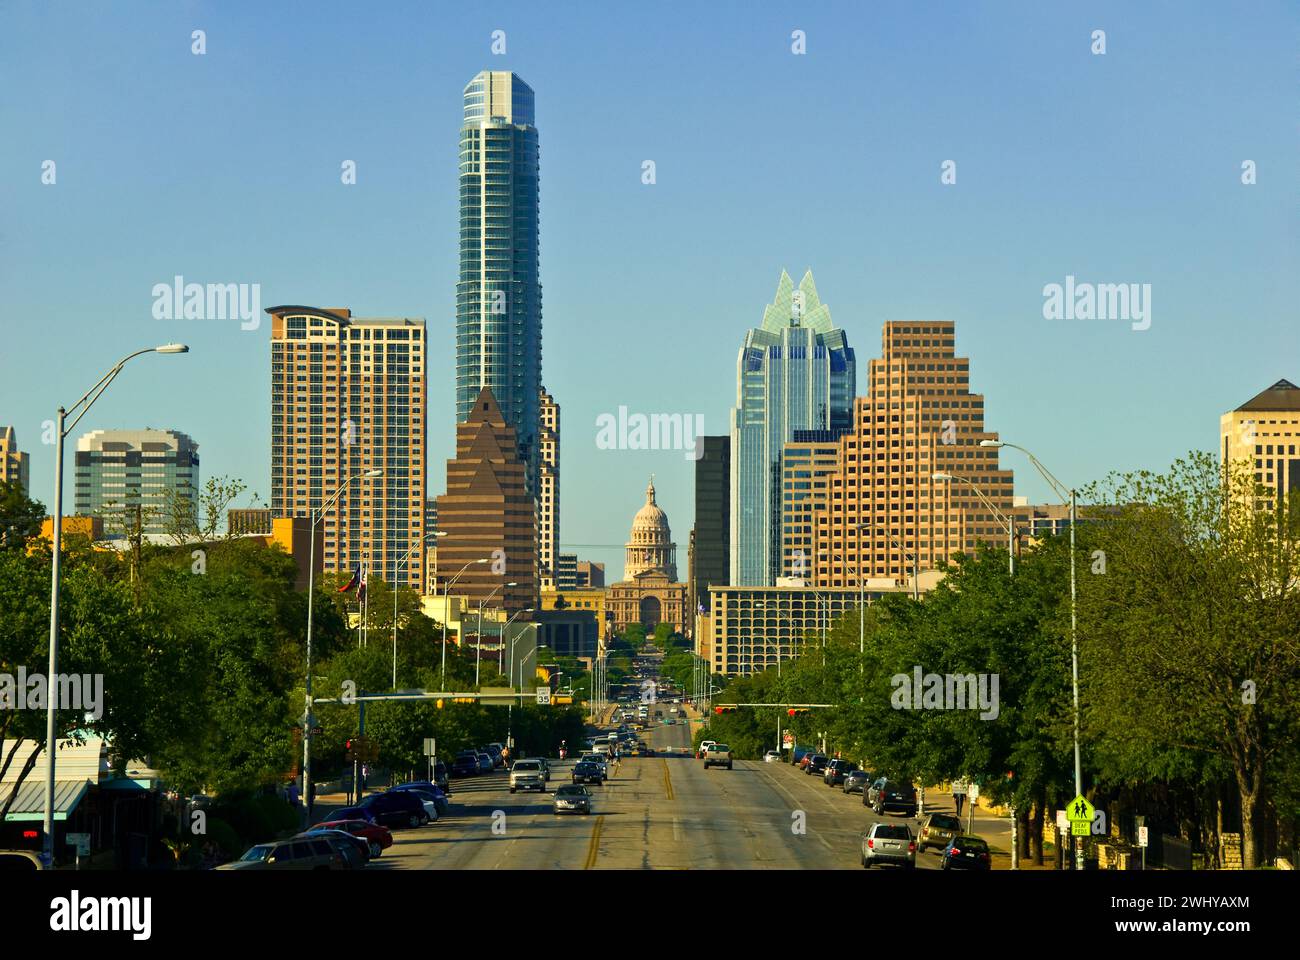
[1027, 210]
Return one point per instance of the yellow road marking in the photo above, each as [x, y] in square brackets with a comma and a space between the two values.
[668, 782]
[593, 849]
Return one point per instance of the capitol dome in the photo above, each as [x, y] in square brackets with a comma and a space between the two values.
[650, 547]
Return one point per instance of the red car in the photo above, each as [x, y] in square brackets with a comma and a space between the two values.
[379, 837]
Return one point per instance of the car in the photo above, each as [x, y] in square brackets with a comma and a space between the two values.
[433, 802]
[966, 853]
[441, 777]
[441, 792]
[397, 808]
[378, 838]
[527, 775]
[772, 756]
[354, 849]
[896, 795]
[497, 751]
[856, 781]
[465, 765]
[546, 767]
[798, 754]
[704, 745]
[888, 843]
[600, 760]
[835, 771]
[304, 853]
[353, 813]
[20, 861]
[937, 830]
[572, 798]
[485, 762]
[585, 771]
[817, 764]
[717, 755]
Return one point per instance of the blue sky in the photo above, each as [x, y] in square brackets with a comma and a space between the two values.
[225, 168]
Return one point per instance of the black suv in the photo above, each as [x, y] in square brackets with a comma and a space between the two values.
[465, 765]
[816, 765]
[896, 795]
[835, 771]
[397, 808]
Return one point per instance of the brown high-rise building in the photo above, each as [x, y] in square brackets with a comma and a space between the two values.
[487, 514]
[919, 419]
[348, 395]
[548, 491]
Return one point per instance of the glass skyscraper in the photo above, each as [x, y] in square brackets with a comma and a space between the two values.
[795, 372]
[499, 295]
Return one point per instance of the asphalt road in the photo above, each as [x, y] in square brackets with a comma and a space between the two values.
[659, 813]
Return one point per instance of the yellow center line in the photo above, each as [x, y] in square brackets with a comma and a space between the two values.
[593, 849]
[668, 782]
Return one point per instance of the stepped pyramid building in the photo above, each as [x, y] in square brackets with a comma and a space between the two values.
[488, 514]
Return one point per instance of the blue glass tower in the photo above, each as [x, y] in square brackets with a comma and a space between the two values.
[499, 294]
[795, 372]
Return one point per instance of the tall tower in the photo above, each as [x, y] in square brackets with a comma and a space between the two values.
[499, 294]
[120, 470]
[795, 372]
[14, 463]
[548, 493]
[348, 395]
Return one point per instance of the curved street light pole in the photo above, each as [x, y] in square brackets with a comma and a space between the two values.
[478, 644]
[1070, 496]
[56, 570]
[1007, 522]
[406, 556]
[446, 615]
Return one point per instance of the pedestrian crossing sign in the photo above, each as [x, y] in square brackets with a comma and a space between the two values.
[1080, 812]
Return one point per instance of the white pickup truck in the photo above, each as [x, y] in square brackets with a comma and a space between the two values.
[717, 755]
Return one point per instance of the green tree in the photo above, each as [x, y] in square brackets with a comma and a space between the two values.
[20, 517]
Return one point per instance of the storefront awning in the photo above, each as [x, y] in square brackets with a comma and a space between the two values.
[30, 802]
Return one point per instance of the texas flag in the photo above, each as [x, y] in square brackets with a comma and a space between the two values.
[356, 579]
[361, 590]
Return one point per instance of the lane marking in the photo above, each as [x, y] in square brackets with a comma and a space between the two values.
[668, 782]
[593, 849]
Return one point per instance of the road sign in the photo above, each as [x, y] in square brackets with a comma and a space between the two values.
[79, 840]
[430, 747]
[958, 788]
[1142, 836]
[1079, 812]
[496, 696]
[973, 792]
[1062, 822]
[544, 696]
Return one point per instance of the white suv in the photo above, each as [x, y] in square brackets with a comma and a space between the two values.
[527, 775]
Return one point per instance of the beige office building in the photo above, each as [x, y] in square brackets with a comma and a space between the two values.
[348, 395]
[1265, 432]
[548, 491]
[806, 471]
[884, 507]
[15, 465]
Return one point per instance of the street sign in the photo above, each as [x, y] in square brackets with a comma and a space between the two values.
[544, 696]
[430, 747]
[1142, 836]
[1079, 812]
[1062, 822]
[496, 696]
[973, 792]
[79, 840]
[958, 788]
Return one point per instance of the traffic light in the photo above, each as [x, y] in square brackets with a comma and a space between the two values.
[439, 703]
[796, 711]
[347, 745]
[724, 709]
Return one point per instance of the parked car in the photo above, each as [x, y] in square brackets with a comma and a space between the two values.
[834, 773]
[354, 849]
[798, 754]
[572, 798]
[527, 775]
[465, 765]
[772, 756]
[485, 762]
[397, 808]
[704, 746]
[434, 803]
[895, 795]
[937, 830]
[584, 771]
[296, 854]
[353, 813]
[817, 765]
[856, 781]
[497, 751]
[966, 853]
[20, 861]
[443, 794]
[440, 776]
[888, 843]
[378, 838]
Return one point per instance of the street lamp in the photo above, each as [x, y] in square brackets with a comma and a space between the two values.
[1008, 522]
[510, 674]
[406, 556]
[315, 516]
[1068, 494]
[85, 403]
[524, 660]
[916, 594]
[478, 646]
[446, 614]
